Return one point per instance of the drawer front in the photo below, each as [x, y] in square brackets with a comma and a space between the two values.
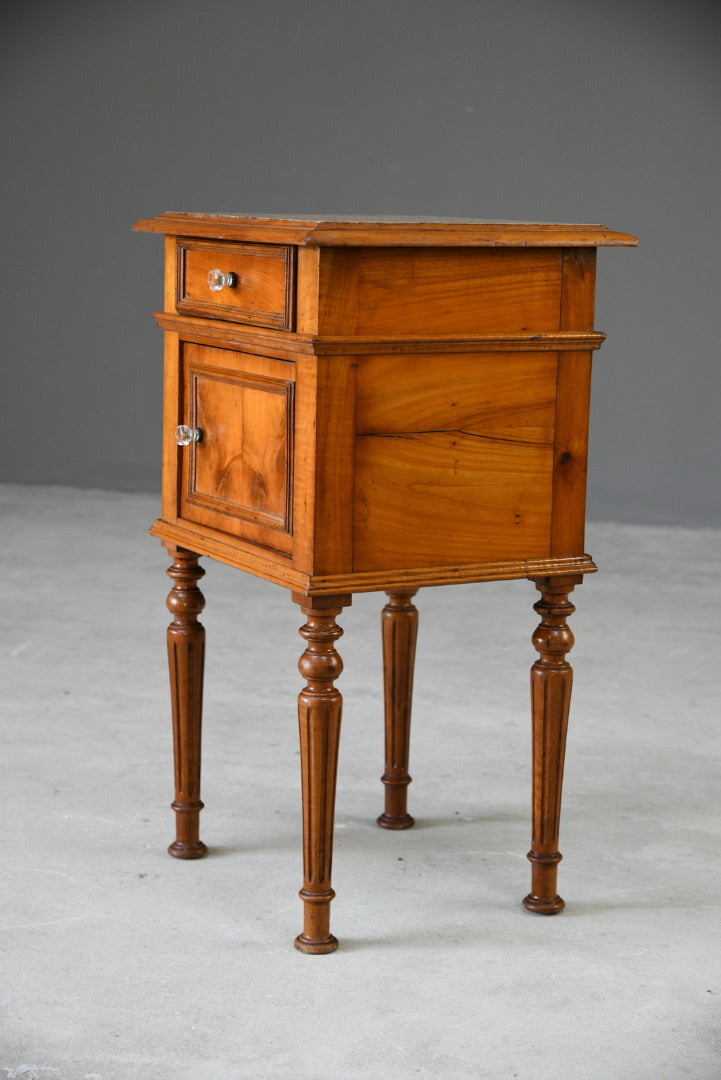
[253, 283]
[238, 477]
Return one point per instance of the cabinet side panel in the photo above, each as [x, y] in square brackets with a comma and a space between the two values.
[338, 291]
[454, 459]
[572, 406]
[440, 498]
[578, 286]
[500, 395]
[438, 291]
[570, 453]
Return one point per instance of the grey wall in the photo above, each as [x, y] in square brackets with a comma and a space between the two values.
[558, 110]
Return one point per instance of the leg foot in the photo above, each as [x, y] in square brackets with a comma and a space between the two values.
[319, 717]
[551, 679]
[316, 937]
[186, 654]
[187, 851]
[399, 622]
[187, 826]
[541, 900]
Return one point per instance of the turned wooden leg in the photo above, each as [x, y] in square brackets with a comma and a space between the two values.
[399, 623]
[319, 716]
[186, 653]
[551, 678]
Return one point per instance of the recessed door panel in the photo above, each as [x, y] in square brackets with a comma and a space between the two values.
[238, 475]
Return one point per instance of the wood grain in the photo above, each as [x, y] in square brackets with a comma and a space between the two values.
[239, 477]
[264, 289]
[172, 416]
[411, 231]
[288, 346]
[399, 623]
[578, 289]
[338, 296]
[454, 458]
[186, 658]
[384, 404]
[171, 273]
[334, 423]
[570, 453]
[319, 717]
[446, 343]
[271, 566]
[499, 396]
[551, 681]
[308, 286]
[573, 398]
[404, 291]
[424, 499]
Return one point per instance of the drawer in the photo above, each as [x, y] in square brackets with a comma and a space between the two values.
[249, 283]
[237, 478]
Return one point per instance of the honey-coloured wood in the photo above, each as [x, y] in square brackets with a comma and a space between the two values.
[172, 417]
[429, 498]
[404, 291]
[378, 405]
[338, 231]
[262, 288]
[573, 394]
[474, 447]
[330, 548]
[319, 716]
[239, 476]
[186, 657]
[265, 564]
[570, 452]
[551, 681]
[491, 395]
[399, 622]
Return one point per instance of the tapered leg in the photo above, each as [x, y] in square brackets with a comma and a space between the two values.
[551, 678]
[186, 654]
[319, 717]
[399, 622]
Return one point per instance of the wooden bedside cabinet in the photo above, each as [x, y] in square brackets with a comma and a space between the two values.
[356, 405]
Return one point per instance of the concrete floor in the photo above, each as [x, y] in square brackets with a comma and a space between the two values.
[119, 962]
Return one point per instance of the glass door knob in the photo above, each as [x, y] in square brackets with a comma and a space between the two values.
[185, 435]
[217, 280]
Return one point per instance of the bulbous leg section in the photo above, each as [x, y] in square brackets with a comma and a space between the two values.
[551, 680]
[186, 657]
[319, 718]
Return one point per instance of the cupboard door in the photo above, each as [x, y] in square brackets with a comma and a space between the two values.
[238, 476]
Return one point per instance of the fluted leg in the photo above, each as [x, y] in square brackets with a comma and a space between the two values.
[399, 622]
[551, 678]
[186, 654]
[319, 717]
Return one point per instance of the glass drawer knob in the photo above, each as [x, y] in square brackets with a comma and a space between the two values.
[185, 435]
[218, 280]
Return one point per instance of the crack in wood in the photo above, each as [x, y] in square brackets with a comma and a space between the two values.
[410, 435]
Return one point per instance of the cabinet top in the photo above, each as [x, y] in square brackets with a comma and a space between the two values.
[359, 231]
